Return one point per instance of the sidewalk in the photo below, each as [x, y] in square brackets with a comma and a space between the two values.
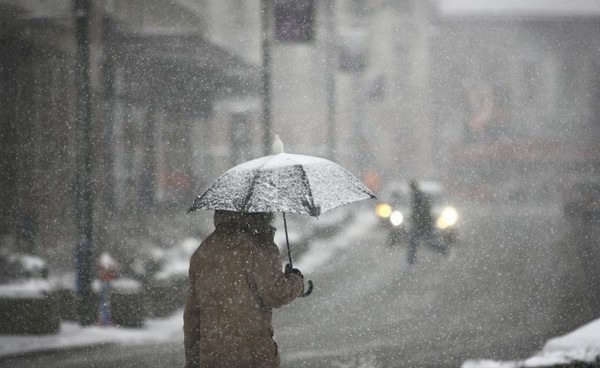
[73, 336]
[581, 345]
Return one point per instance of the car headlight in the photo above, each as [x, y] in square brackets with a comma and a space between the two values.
[449, 217]
[396, 218]
[383, 210]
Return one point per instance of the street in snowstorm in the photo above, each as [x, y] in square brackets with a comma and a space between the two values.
[116, 116]
[513, 281]
[510, 284]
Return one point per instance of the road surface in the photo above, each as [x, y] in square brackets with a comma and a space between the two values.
[516, 278]
[514, 281]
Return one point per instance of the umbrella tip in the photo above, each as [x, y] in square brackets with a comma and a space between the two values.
[277, 147]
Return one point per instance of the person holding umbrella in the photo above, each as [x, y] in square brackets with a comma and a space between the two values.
[235, 280]
[235, 275]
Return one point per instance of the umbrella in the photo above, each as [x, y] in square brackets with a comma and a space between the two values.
[283, 182]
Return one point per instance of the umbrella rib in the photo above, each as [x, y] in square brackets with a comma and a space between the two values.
[246, 202]
[313, 209]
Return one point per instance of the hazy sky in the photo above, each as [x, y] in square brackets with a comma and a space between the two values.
[520, 7]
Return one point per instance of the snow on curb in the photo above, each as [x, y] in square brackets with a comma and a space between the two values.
[322, 251]
[72, 335]
[580, 345]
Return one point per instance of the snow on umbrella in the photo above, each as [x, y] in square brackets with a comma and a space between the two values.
[283, 182]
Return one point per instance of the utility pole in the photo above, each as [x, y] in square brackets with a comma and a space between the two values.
[266, 16]
[330, 68]
[85, 266]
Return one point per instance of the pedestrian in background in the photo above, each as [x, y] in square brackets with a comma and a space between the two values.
[235, 281]
[107, 268]
[422, 224]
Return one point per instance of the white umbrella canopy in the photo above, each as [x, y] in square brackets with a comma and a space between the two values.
[283, 183]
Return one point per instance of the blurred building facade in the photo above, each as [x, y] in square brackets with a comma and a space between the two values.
[401, 89]
[516, 94]
[155, 83]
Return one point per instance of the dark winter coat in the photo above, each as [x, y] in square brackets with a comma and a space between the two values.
[235, 280]
[421, 212]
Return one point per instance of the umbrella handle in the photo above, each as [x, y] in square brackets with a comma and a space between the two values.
[287, 241]
[310, 288]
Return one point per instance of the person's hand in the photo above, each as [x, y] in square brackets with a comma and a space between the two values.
[289, 270]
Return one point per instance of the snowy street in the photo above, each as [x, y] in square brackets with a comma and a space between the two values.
[509, 286]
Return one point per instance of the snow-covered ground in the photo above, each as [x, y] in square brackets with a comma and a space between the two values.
[582, 344]
[71, 335]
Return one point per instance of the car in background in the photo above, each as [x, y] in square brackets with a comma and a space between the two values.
[581, 199]
[27, 297]
[394, 212]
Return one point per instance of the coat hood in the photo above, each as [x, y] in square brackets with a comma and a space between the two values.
[252, 222]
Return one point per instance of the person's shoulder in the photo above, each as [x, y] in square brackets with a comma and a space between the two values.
[203, 244]
[196, 254]
[261, 244]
